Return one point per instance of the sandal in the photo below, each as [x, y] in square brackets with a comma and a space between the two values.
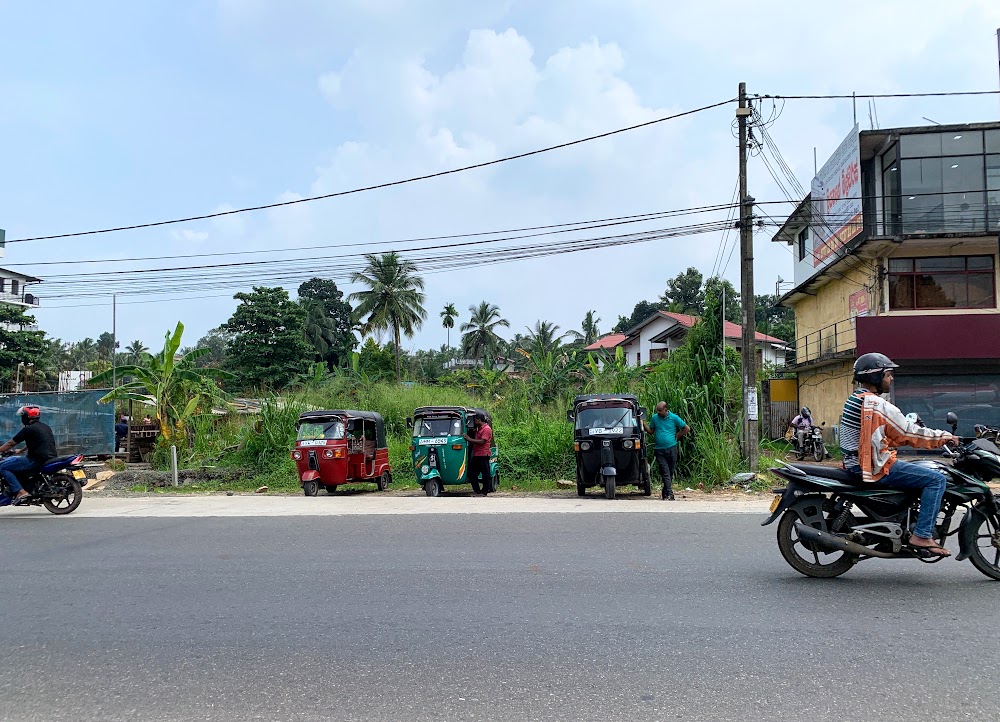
[935, 550]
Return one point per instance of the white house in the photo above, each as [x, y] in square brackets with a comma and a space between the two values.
[663, 332]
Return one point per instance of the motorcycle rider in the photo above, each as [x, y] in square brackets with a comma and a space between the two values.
[871, 428]
[41, 448]
[803, 425]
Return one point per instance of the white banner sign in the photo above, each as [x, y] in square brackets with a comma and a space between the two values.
[836, 201]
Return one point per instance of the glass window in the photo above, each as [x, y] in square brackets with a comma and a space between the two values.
[920, 145]
[803, 241]
[962, 143]
[921, 184]
[993, 190]
[614, 420]
[993, 141]
[964, 201]
[889, 158]
[320, 430]
[437, 427]
[974, 397]
[14, 286]
[942, 282]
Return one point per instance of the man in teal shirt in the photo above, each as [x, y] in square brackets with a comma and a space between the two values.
[666, 428]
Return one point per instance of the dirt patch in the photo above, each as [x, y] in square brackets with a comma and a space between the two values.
[128, 479]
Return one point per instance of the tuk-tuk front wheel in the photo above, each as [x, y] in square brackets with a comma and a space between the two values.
[310, 488]
[383, 481]
[432, 488]
[647, 484]
[609, 486]
[495, 482]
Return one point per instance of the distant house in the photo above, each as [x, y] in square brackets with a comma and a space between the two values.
[13, 289]
[654, 338]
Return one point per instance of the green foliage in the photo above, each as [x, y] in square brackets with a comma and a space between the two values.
[684, 294]
[215, 341]
[267, 349]
[448, 316]
[641, 311]
[393, 301]
[329, 324]
[479, 335]
[17, 345]
[544, 338]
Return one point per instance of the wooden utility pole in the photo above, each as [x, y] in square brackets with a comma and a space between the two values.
[749, 346]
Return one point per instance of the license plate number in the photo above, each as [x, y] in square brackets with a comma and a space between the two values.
[775, 502]
[79, 474]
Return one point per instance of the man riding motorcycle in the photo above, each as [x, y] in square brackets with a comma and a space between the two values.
[870, 430]
[41, 448]
[803, 426]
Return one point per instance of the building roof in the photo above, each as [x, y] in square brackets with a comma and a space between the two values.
[609, 341]
[730, 329]
[17, 274]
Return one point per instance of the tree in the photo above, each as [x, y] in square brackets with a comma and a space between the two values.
[684, 294]
[479, 336]
[641, 311]
[106, 345]
[266, 348]
[18, 345]
[180, 389]
[720, 287]
[543, 339]
[215, 341]
[82, 353]
[135, 350]
[329, 321]
[588, 332]
[777, 321]
[448, 316]
[394, 300]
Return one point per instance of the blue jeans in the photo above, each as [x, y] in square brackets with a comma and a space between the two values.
[908, 477]
[10, 465]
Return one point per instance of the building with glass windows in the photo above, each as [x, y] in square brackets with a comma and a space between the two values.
[895, 250]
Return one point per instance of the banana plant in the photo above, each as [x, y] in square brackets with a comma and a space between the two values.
[178, 388]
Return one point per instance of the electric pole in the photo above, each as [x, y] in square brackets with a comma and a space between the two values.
[749, 350]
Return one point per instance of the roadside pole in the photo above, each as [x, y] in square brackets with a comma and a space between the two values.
[749, 346]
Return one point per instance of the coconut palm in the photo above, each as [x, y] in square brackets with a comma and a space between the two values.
[542, 339]
[588, 332]
[479, 336]
[135, 350]
[448, 316]
[319, 330]
[394, 300]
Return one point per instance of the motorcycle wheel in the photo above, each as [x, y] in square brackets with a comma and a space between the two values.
[800, 454]
[609, 486]
[790, 547]
[70, 497]
[818, 451]
[987, 547]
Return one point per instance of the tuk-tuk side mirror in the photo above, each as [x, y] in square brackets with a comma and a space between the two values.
[570, 415]
[642, 413]
[409, 422]
[952, 420]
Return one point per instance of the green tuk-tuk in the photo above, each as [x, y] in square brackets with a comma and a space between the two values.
[441, 452]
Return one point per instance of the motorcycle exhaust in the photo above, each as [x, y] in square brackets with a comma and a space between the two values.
[836, 543]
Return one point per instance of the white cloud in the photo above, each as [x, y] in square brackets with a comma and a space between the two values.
[186, 235]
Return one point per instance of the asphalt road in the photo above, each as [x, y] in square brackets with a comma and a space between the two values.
[476, 617]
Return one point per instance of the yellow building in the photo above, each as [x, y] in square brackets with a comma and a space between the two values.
[896, 251]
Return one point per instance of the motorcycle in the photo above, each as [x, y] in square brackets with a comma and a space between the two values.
[813, 444]
[57, 486]
[831, 520]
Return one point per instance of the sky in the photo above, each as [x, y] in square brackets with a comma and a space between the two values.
[118, 113]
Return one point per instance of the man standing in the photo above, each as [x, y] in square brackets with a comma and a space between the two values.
[479, 464]
[41, 447]
[121, 431]
[666, 428]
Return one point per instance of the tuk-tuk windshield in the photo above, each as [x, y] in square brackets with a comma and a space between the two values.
[329, 430]
[444, 426]
[605, 421]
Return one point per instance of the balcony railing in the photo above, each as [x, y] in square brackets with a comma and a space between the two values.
[829, 342]
[28, 299]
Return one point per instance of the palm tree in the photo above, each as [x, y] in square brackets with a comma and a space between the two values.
[83, 352]
[394, 299]
[588, 332]
[319, 329]
[543, 339]
[448, 316]
[135, 350]
[479, 336]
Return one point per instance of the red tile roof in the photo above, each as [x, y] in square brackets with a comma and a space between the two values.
[609, 341]
[732, 330]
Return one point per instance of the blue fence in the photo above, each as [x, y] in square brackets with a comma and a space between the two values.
[79, 422]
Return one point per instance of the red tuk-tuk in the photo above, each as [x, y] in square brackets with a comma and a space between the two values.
[340, 447]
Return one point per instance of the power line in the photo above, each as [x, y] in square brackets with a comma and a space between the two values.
[389, 184]
[875, 95]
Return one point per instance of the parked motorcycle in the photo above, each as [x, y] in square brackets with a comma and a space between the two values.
[57, 486]
[831, 520]
[813, 445]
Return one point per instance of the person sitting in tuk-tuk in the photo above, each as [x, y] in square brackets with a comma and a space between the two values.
[479, 464]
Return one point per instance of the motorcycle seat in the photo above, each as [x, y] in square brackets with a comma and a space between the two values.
[57, 463]
[830, 472]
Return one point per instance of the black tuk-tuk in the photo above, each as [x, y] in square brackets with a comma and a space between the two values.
[607, 441]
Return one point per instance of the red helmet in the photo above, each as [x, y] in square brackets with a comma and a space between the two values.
[29, 413]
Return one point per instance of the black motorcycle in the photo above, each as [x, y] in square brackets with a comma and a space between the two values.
[57, 486]
[831, 520]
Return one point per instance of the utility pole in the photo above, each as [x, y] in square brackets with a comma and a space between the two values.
[749, 350]
[114, 340]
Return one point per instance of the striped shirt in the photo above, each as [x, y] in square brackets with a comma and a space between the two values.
[850, 428]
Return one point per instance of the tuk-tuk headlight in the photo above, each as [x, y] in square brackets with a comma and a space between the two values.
[424, 469]
[296, 455]
[328, 453]
[584, 446]
[627, 444]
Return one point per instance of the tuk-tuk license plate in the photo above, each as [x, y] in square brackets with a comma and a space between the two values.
[775, 502]
[433, 442]
[79, 474]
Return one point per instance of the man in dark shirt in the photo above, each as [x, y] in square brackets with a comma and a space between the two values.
[121, 431]
[41, 448]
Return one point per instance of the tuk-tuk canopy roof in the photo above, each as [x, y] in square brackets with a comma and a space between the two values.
[586, 398]
[347, 415]
[466, 410]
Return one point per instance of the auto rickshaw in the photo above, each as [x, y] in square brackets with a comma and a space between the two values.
[607, 442]
[340, 447]
[441, 452]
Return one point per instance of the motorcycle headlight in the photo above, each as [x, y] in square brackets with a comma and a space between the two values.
[584, 446]
[627, 444]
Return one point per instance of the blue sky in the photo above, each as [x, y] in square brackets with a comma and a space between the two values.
[121, 112]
